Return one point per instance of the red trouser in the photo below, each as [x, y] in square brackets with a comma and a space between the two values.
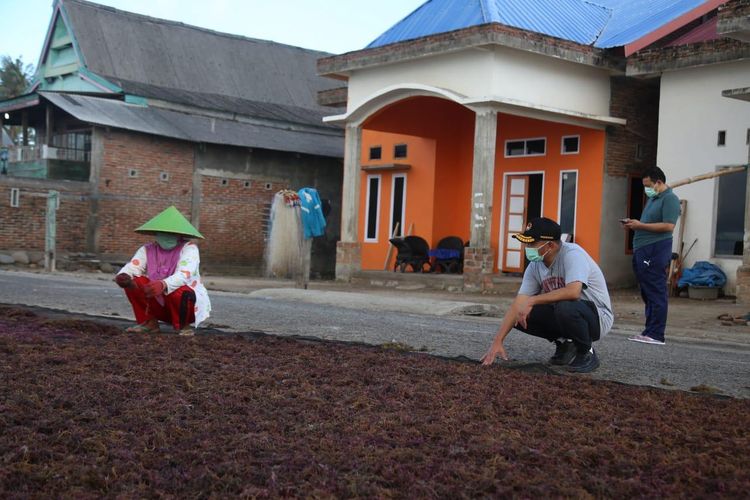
[178, 308]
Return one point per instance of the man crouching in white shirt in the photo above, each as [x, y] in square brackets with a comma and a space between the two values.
[563, 298]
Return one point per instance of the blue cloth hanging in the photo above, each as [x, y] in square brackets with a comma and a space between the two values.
[313, 221]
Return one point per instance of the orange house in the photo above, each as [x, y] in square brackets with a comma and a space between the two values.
[468, 118]
[417, 169]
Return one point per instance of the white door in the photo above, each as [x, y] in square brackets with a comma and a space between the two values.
[517, 187]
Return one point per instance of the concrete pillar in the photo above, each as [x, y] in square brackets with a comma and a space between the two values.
[743, 272]
[197, 194]
[352, 182]
[97, 161]
[479, 259]
[50, 234]
[483, 177]
[348, 251]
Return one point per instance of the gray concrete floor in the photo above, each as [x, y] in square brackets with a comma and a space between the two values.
[423, 321]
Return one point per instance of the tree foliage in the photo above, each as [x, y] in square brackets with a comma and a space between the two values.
[14, 77]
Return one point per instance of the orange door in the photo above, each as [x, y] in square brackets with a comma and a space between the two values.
[517, 188]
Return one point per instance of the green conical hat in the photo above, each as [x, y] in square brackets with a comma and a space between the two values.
[170, 221]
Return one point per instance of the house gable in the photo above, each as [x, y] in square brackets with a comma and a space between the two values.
[61, 66]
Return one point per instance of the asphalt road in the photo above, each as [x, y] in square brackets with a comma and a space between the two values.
[676, 365]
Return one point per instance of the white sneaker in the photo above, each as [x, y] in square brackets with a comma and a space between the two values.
[646, 340]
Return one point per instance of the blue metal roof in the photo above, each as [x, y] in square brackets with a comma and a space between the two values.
[601, 23]
[634, 19]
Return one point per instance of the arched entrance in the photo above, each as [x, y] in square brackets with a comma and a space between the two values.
[416, 174]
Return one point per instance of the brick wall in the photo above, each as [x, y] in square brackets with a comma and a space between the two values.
[475, 35]
[655, 61]
[734, 9]
[232, 216]
[478, 269]
[233, 219]
[23, 228]
[126, 202]
[638, 102]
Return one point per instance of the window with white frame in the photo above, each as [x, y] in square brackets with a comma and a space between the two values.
[373, 208]
[571, 145]
[398, 204]
[526, 147]
[568, 201]
[15, 197]
[730, 213]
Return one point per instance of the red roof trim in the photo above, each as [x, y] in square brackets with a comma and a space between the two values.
[670, 27]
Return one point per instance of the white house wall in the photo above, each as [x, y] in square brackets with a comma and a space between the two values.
[691, 113]
[494, 72]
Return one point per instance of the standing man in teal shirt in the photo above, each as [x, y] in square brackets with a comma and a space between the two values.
[652, 251]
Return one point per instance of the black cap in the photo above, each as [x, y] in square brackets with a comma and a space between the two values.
[539, 229]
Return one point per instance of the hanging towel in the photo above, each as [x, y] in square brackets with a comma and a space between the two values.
[313, 221]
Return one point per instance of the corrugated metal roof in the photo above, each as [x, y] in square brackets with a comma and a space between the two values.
[601, 23]
[701, 33]
[149, 54]
[634, 19]
[236, 105]
[575, 20]
[196, 128]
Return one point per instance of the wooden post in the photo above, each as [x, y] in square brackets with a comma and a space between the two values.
[389, 254]
[50, 252]
[3, 149]
[743, 271]
[25, 127]
[304, 277]
[709, 175]
[48, 125]
[676, 265]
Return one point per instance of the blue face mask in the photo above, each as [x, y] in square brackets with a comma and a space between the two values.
[167, 241]
[533, 254]
[650, 192]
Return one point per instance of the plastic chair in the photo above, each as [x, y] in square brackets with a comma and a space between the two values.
[413, 251]
[449, 255]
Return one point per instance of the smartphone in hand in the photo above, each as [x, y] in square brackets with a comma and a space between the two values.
[624, 221]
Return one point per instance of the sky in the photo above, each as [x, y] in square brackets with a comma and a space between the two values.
[335, 26]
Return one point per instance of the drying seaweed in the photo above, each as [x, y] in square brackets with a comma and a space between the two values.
[86, 411]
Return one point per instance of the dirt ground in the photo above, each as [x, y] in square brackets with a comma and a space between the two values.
[684, 313]
[87, 410]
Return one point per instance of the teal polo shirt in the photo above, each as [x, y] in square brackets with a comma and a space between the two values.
[664, 207]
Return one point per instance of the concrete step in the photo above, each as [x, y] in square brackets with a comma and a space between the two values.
[430, 281]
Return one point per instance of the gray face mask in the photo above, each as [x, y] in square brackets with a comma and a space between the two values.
[167, 241]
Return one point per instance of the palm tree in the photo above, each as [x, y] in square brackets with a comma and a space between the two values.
[14, 77]
[14, 80]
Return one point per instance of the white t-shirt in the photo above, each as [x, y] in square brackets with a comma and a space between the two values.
[571, 264]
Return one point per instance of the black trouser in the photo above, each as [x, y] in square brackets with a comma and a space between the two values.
[651, 266]
[577, 320]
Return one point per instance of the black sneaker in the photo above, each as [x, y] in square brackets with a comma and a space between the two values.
[584, 362]
[564, 353]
